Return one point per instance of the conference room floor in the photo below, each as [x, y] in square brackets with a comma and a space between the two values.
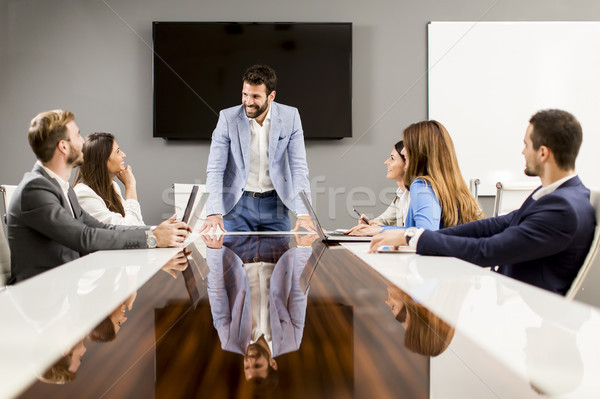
[331, 322]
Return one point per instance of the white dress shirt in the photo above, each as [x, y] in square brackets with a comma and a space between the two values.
[259, 179]
[93, 204]
[64, 185]
[259, 276]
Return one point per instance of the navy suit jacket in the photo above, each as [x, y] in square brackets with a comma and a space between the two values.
[229, 159]
[544, 243]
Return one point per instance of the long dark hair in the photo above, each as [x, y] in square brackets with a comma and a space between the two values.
[94, 171]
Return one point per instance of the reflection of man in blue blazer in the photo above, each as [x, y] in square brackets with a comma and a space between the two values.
[232, 291]
[545, 242]
[257, 162]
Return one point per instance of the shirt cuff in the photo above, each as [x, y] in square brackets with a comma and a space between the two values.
[415, 239]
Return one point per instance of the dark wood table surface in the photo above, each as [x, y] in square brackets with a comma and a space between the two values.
[352, 346]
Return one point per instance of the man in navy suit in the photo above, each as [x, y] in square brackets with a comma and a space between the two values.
[545, 242]
[257, 162]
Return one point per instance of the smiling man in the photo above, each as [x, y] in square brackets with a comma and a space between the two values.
[545, 242]
[257, 163]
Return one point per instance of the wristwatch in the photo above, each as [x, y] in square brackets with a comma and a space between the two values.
[409, 234]
[150, 239]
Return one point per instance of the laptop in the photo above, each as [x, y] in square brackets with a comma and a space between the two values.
[194, 207]
[328, 236]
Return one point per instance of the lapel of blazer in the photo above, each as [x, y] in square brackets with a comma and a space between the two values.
[77, 211]
[243, 126]
[40, 170]
[275, 129]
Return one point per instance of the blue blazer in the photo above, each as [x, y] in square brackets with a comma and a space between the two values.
[230, 302]
[229, 159]
[544, 243]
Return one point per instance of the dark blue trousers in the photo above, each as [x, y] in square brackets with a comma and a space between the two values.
[258, 214]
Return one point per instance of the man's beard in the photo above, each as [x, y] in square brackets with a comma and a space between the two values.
[530, 172]
[252, 112]
[74, 159]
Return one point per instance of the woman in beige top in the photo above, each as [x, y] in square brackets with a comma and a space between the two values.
[395, 214]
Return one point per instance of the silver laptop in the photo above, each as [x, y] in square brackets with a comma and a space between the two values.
[328, 236]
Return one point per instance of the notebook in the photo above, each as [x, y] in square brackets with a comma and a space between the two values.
[328, 236]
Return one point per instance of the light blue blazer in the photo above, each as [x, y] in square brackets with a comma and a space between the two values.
[229, 159]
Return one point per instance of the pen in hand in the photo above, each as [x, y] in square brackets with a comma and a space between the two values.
[363, 218]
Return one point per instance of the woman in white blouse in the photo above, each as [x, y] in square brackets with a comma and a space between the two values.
[395, 214]
[97, 192]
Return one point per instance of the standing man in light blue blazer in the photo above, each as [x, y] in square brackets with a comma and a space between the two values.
[257, 162]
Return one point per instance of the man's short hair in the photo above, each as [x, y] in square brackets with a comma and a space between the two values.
[559, 131]
[46, 130]
[259, 74]
[59, 372]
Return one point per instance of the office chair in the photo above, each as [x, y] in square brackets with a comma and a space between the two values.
[510, 196]
[591, 264]
[474, 187]
[7, 193]
[4, 259]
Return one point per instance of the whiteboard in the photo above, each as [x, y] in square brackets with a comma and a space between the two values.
[486, 80]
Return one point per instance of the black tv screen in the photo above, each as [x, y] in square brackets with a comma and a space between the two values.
[198, 68]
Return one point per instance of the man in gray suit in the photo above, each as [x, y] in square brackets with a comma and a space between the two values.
[46, 225]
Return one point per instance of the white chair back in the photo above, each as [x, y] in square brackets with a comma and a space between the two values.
[589, 273]
[181, 194]
[4, 259]
[474, 187]
[510, 196]
[7, 193]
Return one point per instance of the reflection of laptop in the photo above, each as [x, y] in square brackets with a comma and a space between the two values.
[195, 274]
[311, 266]
[327, 235]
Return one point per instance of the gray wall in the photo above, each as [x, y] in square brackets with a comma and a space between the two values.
[94, 58]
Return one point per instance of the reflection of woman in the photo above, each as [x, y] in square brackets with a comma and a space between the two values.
[97, 192]
[426, 333]
[108, 328]
[439, 196]
[395, 214]
[65, 369]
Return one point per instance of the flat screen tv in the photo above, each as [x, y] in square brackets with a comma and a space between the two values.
[198, 68]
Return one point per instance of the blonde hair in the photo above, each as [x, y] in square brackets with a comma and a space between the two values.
[46, 130]
[431, 157]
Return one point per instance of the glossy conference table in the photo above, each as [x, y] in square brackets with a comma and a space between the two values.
[461, 331]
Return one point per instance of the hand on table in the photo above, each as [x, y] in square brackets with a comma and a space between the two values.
[393, 238]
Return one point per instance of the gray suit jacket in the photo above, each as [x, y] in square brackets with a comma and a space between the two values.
[43, 234]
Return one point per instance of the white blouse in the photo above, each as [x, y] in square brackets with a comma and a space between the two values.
[395, 214]
[93, 204]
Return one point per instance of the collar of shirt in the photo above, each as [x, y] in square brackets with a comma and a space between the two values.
[64, 185]
[550, 189]
[400, 192]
